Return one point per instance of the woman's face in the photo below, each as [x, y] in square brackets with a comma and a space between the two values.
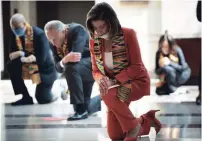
[100, 27]
[165, 48]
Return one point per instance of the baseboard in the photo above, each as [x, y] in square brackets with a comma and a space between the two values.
[194, 80]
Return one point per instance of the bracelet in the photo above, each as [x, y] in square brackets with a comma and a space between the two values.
[114, 81]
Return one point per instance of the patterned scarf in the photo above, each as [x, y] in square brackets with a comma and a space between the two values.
[28, 40]
[119, 61]
[63, 50]
[118, 51]
[30, 70]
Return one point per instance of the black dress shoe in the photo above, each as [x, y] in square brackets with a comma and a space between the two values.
[78, 116]
[23, 101]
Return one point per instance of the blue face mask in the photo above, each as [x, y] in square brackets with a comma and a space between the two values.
[19, 32]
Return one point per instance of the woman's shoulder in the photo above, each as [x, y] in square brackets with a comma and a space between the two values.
[178, 49]
[128, 30]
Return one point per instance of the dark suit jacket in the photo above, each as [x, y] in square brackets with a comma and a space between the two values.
[78, 41]
[42, 53]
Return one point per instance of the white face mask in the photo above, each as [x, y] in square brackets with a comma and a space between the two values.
[105, 36]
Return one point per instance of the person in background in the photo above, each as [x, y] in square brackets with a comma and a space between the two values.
[70, 47]
[171, 66]
[198, 15]
[30, 58]
[120, 73]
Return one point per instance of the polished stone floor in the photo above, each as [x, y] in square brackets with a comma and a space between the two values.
[180, 117]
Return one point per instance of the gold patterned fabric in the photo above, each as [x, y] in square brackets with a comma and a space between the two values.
[120, 62]
[29, 70]
[63, 50]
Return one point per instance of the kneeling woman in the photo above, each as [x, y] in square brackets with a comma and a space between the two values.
[171, 66]
[119, 71]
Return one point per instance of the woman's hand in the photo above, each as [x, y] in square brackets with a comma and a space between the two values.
[164, 62]
[104, 84]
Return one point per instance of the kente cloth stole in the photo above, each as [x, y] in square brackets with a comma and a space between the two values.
[63, 50]
[120, 62]
[30, 70]
[118, 51]
[28, 40]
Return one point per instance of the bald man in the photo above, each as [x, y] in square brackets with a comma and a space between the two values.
[30, 51]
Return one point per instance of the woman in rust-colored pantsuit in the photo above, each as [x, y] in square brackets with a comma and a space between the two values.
[119, 71]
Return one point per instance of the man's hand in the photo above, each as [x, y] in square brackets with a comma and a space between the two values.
[72, 57]
[32, 58]
[15, 55]
[28, 59]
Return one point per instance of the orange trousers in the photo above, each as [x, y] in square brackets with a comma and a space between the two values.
[120, 119]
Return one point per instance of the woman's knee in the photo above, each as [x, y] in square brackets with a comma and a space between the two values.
[115, 137]
[184, 77]
[113, 127]
[170, 73]
[115, 133]
[168, 69]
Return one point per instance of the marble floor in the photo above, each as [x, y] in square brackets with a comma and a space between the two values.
[180, 117]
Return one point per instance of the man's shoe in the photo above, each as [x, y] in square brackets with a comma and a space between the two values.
[23, 101]
[78, 116]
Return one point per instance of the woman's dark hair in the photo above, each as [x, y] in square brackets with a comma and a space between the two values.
[171, 42]
[103, 11]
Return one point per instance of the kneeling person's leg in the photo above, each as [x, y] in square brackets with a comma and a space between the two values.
[170, 75]
[44, 94]
[74, 82]
[14, 68]
[93, 104]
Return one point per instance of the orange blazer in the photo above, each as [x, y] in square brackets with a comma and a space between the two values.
[136, 70]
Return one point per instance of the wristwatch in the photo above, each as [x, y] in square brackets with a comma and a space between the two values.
[115, 81]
